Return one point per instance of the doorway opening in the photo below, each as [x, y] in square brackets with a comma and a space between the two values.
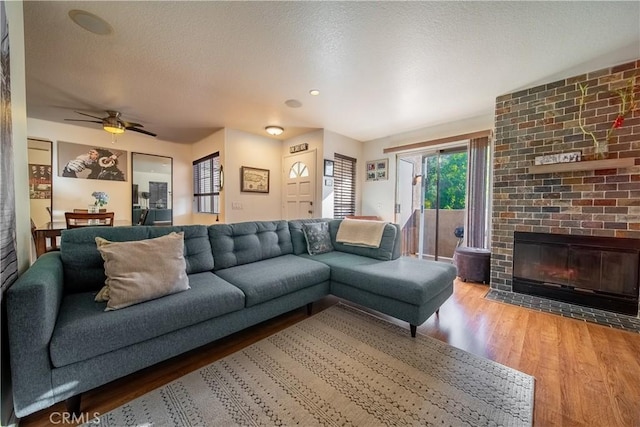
[444, 205]
[433, 203]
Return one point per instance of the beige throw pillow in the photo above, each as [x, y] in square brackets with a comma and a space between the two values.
[142, 270]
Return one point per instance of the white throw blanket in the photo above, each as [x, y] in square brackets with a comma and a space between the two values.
[357, 232]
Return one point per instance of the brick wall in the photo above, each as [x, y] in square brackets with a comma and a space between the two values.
[544, 120]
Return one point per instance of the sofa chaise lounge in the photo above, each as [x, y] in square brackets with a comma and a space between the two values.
[63, 343]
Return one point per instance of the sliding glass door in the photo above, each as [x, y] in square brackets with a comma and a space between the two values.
[444, 186]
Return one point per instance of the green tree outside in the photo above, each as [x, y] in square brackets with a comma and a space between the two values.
[453, 181]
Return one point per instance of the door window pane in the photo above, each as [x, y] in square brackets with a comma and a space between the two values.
[298, 169]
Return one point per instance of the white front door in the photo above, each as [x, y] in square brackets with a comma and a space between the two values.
[299, 185]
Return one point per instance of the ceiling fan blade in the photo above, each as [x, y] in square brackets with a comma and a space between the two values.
[141, 131]
[131, 125]
[78, 120]
[89, 115]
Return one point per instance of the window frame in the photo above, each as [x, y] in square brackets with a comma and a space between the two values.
[207, 200]
[344, 185]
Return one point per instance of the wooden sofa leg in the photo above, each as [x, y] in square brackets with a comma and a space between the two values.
[413, 330]
[73, 404]
[309, 309]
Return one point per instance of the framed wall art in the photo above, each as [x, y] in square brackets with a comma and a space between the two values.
[328, 167]
[378, 170]
[39, 181]
[254, 180]
[91, 162]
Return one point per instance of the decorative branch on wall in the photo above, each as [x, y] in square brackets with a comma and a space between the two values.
[627, 105]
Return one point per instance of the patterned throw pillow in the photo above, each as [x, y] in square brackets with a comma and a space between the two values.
[318, 237]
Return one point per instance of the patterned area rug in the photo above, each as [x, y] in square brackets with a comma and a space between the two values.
[340, 367]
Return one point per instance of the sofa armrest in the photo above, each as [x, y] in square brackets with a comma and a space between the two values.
[33, 302]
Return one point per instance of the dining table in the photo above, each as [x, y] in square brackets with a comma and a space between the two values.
[52, 230]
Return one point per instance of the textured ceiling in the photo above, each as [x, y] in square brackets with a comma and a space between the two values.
[186, 69]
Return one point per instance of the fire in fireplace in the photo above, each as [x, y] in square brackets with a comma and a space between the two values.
[599, 272]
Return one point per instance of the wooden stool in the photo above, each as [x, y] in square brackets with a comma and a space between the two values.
[474, 264]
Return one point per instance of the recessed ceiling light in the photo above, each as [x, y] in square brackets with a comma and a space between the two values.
[274, 130]
[90, 22]
[314, 92]
[293, 103]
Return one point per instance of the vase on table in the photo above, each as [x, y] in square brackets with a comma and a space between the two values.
[93, 209]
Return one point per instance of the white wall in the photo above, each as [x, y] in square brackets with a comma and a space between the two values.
[70, 193]
[246, 149]
[378, 197]
[209, 145]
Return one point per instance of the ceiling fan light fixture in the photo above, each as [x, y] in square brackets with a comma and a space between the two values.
[115, 128]
[274, 130]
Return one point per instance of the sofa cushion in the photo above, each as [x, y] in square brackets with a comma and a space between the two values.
[405, 279]
[84, 330]
[389, 244]
[84, 267]
[134, 274]
[359, 232]
[247, 242]
[317, 237]
[297, 235]
[385, 252]
[271, 278]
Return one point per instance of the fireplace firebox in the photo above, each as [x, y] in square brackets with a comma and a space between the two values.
[598, 272]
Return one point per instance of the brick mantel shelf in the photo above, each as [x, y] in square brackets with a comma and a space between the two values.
[583, 166]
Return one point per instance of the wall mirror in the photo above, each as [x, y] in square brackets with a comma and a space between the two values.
[151, 189]
[40, 156]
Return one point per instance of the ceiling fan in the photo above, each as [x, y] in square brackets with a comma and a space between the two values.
[113, 123]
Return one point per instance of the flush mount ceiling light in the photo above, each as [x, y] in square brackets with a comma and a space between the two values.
[293, 103]
[274, 130]
[90, 22]
[314, 92]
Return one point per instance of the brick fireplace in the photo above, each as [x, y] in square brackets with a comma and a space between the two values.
[598, 201]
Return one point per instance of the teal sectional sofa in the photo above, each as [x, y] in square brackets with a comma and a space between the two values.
[63, 343]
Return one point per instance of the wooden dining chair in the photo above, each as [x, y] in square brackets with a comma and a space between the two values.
[83, 219]
[87, 210]
[51, 244]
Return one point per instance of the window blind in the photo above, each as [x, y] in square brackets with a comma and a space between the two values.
[344, 186]
[206, 184]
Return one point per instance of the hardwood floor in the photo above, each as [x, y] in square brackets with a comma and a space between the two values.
[586, 374]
